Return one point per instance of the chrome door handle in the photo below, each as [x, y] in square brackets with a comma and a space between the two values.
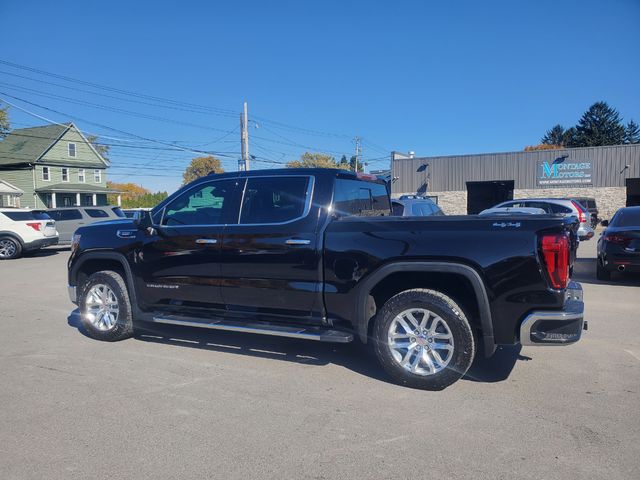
[297, 241]
[206, 241]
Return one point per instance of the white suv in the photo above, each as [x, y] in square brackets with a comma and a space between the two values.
[22, 230]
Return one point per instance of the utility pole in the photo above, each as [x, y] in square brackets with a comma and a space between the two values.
[244, 139]
[358, 142]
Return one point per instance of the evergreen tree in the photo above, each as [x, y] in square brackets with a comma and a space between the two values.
[352, 164]
[555, 136]
[632, 133]
[344, 163]
[599, 125]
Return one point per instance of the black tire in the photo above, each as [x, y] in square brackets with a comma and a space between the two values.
[463, 339]
[123, 327]
[601, 272]
[10, 248]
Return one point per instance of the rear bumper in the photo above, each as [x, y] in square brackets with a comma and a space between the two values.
[41, 242]
[556, 327]
[585, 232]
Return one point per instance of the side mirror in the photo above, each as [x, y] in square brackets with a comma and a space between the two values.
[604, 223]
[142, 219]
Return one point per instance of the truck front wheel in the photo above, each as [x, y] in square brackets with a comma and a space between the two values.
[105, 308]
[423, 339]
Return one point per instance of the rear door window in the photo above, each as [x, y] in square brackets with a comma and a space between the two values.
[65, 215]
[96, 213]
[542, 205]
[557, 208]
[357, 197]
[275, 199]
[118, 211]
[398, 209]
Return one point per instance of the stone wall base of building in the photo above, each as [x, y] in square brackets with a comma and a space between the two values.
[608, 199]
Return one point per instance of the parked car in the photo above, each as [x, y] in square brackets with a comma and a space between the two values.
[133, 212]
[69, 219]
[23, 230]
[315, 254]
[513, 211]
[560, 206]
[589, 204]
[619, 244]
[415, 206]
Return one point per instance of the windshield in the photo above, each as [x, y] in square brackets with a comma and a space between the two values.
[626, 218]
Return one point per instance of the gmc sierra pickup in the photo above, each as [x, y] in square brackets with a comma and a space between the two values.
[316, 254]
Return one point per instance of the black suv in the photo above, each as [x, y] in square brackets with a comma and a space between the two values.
[316, 254]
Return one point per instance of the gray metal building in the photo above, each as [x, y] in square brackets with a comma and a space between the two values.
[470, 183]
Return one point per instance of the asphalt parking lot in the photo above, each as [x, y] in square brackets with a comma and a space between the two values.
[189, 404]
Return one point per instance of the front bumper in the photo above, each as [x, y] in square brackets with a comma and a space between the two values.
[556, 327]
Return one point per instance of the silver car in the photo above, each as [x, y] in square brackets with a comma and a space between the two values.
[558, 206]
[69, 219]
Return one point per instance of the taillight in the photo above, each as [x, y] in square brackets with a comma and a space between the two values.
[555, 254]
[618, 239]
[581, 215]
[35, 225]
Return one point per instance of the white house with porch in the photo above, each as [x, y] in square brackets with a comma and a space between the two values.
[9, 195]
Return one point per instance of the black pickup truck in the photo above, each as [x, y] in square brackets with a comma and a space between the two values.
[316, 254]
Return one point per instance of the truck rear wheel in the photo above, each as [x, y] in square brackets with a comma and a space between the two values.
[105, 308]
[423, 339]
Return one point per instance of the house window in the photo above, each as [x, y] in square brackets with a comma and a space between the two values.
[46, 175]
[97, 176]
[81, 175]
[65, 174]
[72, 149]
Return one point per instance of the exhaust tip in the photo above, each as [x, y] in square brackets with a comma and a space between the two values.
[621, 268]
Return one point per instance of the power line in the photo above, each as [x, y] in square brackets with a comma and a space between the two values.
[77, 89]
[110, 109]
[96, 124]
[116, 90]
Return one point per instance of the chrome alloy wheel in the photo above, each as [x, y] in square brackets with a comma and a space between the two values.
[7, 248]
[420, 341]
[102, 307]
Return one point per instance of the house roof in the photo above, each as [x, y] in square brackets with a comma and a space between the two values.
[7, 188]
[28, 145]
[67, 187]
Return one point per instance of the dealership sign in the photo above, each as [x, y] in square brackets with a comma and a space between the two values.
[561, 172]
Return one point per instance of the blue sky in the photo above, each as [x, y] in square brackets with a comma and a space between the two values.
[443, 77]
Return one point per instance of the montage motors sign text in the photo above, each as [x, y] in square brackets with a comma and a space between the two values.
[556, 173]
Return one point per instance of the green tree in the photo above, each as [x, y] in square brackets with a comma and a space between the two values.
[555, 136]
[352, 165]
[316, 160]
[100, 148]
[599, 125]
[344, 163]
[5, 126]
[632, 133]
[200, 167]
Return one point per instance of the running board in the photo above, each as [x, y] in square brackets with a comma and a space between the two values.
[308, 333]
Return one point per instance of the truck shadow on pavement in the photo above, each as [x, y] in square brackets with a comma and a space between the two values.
[354, 356]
